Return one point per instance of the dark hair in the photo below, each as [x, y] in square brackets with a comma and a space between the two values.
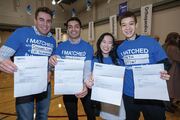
[112, 53]
[171, 39]
[73, 19]
[43, 9]
[126, 15]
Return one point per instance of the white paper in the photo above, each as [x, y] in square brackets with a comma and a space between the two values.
[31, 76]
[108, 83]
[148, 84]
[68, 76]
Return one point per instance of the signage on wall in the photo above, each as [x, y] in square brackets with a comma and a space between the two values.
[91, 31]
[58, 34]
[146, 18]
[113, 25]
[122, 8]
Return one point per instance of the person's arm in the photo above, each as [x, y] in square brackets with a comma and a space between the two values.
[167, 65]
[88, 74]
[6, 65]
[86, 77]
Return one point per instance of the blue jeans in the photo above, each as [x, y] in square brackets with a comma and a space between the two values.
[25, 106]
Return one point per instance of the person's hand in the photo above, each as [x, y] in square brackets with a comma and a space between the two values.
[8, 66]
[83, 93]
[89, 83]
[164, 75]
[53, 60]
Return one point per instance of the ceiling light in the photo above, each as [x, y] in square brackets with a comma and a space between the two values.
[53, 2]
[59, 1]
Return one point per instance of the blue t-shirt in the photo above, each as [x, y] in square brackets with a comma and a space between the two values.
[106, 60]
[141, 51]
[79, 51]
[27, 43]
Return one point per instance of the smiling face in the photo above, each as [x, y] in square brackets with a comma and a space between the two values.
[106, 45]
[73, 30]
[43, 23]
[128, 27]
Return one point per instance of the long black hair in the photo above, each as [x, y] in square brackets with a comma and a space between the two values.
[112, 53]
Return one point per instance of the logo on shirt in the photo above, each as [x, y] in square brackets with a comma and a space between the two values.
[136, 56]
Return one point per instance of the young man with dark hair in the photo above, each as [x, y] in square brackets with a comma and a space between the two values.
[139, 50]
[20, 44]
[76, 48]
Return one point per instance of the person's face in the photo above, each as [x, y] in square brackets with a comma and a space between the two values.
[128, 27]
[106, 45]
[43, 23]
[73, 30]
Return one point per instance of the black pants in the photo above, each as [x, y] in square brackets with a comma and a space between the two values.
[71, 101]
[151, 109]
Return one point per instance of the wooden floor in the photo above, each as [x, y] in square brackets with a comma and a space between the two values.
[57, 110]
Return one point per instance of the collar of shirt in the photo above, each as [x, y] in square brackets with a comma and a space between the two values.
[75, 42]
[38, 33]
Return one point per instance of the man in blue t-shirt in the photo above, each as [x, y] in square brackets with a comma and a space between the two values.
[139, 50]
[76, 48]
[30, 41]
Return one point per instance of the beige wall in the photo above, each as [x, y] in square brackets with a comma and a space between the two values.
[13, 13]
[163, 22]
[166, 21]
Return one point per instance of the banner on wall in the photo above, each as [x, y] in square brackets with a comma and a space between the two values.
[58, 34]
[146, 18]
[122, 8]
[113, 25]
[91, 31]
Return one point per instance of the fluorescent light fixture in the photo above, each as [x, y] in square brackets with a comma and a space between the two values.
[59, 1]
[53, 2]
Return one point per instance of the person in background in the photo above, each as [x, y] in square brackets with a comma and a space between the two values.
[106, 54]
[130, 53]
[76, 48]
[21, 43]
[173, 51]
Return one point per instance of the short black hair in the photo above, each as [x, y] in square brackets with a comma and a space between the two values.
[73, 19]
[43, 9]
[126, 15]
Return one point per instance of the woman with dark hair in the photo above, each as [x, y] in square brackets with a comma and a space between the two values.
[106, 54]
[173, 52]
[111, 52]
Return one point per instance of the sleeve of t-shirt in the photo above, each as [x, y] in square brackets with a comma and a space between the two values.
[14, 40]
[58, 50]
[159, 53]
[90, 53]
[120, 59]
[54, 49]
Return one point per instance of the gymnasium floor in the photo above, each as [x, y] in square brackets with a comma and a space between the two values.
[57, 110]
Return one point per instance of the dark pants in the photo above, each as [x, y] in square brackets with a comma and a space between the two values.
[152, 110]
[71, 102]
